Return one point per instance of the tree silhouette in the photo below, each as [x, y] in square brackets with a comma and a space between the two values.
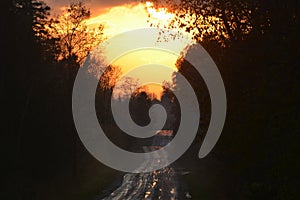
[167, 85]
[139, 108]
[110, 77]
[214, 19]
[74, 38]
[126, 88]
[41, 12]
[256, 155]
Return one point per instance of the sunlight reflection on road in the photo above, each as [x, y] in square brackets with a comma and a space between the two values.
[159, 184]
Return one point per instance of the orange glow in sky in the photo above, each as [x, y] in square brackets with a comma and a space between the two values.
[121, 16]
[124, 18]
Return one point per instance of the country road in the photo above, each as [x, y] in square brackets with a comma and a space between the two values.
[165, 184]
[161, 184]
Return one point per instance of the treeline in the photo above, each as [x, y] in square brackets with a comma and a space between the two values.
[260, 138]
[259, 143]
[40, 142]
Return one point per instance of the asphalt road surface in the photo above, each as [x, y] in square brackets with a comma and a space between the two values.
[165, 184]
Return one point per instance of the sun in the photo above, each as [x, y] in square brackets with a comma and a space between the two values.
[160, 14]
[120, 19]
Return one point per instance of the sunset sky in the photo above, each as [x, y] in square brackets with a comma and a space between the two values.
[96, 6]
[124, 15]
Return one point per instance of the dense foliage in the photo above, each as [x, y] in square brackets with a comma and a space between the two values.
[259, 144]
